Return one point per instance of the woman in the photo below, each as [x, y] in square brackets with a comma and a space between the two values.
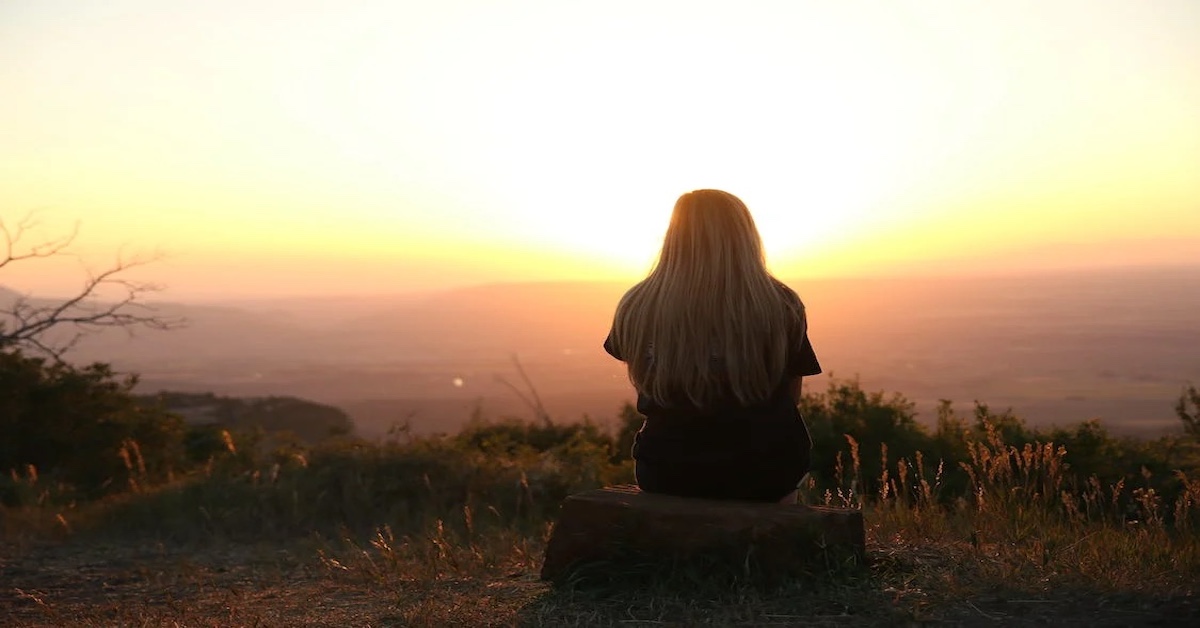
[716, 348]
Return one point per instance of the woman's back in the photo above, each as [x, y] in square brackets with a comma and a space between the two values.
[715, 348]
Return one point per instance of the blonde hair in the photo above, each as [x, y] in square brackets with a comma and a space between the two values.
[710, 294]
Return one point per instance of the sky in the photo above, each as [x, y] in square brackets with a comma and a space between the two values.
[311, 147]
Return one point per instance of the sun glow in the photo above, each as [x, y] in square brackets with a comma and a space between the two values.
[585, 149]
[406, 136]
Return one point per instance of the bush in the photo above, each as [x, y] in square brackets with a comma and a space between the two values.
[872, 421]
[82, 427]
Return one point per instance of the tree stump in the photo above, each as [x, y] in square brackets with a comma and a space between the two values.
[620, 527]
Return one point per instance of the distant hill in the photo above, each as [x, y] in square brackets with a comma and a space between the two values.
[1057, 347]
[310, 422]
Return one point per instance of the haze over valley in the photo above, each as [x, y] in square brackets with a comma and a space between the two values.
[1057, 348]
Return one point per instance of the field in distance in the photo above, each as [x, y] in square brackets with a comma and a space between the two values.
[1057, 348]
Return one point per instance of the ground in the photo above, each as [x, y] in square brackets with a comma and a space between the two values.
[309, 584]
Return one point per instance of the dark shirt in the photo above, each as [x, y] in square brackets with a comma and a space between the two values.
[755, 452]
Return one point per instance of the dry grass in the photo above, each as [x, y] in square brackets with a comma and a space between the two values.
[1025, 544]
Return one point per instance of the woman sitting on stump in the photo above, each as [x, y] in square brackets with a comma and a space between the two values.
[716, 348]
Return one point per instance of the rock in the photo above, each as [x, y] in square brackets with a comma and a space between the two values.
[621, 525]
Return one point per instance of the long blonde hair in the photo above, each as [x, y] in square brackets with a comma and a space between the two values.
[709, 299]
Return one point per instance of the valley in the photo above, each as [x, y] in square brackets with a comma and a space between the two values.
[1057, 348]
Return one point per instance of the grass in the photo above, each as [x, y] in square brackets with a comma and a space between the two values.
[450, 531]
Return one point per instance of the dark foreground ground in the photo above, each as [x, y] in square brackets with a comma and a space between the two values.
[310, 584]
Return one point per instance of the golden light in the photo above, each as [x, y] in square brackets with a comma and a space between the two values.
[389, 138]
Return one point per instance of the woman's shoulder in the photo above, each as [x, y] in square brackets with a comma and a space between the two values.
[788, 295]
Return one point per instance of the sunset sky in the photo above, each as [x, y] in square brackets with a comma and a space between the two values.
[334, 147]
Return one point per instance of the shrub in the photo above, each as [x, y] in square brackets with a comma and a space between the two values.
[82, 427]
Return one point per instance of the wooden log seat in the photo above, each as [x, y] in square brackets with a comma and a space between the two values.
[619, 524]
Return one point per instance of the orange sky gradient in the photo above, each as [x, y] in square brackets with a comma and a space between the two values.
[304, 147]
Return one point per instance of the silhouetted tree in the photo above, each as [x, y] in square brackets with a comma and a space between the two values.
[108, 298]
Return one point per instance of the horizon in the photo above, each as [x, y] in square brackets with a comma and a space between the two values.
[1030, 341]
[1033, 343]
[407, 146]
[932, 273]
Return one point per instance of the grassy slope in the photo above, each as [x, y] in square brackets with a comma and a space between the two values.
[440, 533]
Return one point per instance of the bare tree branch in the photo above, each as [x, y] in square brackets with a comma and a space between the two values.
[534, 401]
[48, 248]
[1189, 416]
[26, 323]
